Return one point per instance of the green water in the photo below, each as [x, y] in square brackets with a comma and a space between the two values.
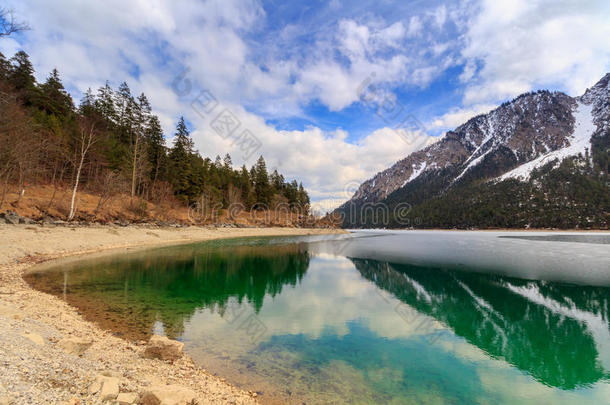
[302, 323]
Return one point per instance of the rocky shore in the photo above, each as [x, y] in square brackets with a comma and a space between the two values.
[50, 355]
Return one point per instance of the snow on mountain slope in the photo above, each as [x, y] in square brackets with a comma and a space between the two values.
[416, 172]
[509, 142]
[580, 142]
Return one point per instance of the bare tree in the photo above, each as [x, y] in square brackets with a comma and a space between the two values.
[87, 137]
[18, 152]
[8, 24]
[110, 185]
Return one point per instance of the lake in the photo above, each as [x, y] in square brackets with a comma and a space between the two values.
[372, 317]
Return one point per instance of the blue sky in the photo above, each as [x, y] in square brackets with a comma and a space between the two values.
[292, 72]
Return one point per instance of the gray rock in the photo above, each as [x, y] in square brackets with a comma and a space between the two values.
[10, 217]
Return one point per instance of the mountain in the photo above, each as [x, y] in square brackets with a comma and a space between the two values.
[540, 160]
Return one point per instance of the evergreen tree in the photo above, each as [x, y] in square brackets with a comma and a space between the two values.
[155, 146]
[22, 72]
[228, 163]
[180, 161]
[262, 188]
[22, 77]
[104, 103]
[5, 68]
[54, 97]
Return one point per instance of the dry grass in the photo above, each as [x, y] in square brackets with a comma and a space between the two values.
[44, 200]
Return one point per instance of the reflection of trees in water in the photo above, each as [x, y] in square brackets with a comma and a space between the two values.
[554, 332]
[129, 294]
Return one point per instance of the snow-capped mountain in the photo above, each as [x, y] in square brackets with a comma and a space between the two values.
[535, 130]
[535, 127]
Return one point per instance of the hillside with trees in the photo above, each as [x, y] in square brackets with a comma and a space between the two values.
[112, 146]
[540, 160]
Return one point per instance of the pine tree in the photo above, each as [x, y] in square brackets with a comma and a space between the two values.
[141, 117]
[22, 77]
[5, 68]
[262, 188]
[55, 99]
[155, 146]
[22, 72]
[228, 163]
[180, 161]
[104, 103]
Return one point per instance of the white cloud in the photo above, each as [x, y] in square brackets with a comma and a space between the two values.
[525, 45]
[415, 26]
[506, 47]
[459, 116]
[326, 162]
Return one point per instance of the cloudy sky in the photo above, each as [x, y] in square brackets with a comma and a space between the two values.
[292, 74]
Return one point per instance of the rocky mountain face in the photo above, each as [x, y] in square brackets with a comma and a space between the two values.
[511, 144]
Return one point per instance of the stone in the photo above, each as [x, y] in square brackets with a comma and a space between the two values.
[169, 395]
[110, 388]
[10, 217]
[76, 346]
[107, 386]
[34, 338]
[160, 347]
[127, 398]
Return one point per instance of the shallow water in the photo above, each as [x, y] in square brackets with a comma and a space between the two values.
[372, 317]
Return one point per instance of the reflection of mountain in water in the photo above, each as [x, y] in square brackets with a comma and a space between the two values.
[557, 333]
[129, 295]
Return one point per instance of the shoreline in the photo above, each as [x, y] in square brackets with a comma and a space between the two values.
[539, 230]
[38, 371]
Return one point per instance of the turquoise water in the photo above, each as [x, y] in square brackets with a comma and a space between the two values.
[369, 318]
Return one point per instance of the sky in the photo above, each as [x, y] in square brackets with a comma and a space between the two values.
[329, 92]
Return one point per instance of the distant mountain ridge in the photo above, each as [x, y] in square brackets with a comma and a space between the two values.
[516, 141]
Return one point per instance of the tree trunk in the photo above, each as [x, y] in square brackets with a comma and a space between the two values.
[5, 188]
[134, 171]
[72, 207]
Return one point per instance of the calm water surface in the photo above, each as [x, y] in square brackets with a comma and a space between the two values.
[370, 318]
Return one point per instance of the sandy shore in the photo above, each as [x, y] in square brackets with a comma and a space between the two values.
[35, 370]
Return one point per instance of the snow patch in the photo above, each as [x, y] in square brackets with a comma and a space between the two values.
[473, 163]
[415, 173]
[580, 140]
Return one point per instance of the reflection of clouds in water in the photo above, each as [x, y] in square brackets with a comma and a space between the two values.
[501, 379]
[332, 295]
[328, 298]
[523, 389]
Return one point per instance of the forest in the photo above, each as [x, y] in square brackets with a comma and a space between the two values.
[112, 144]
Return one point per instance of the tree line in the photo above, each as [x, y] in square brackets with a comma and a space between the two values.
[112, 143]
